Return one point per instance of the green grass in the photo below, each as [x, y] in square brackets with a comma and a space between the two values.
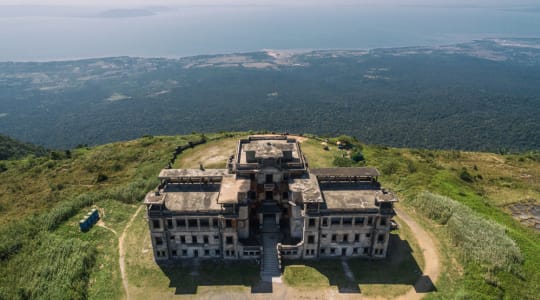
[390, 277]
[42, 198]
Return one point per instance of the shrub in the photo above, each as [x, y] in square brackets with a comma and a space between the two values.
[342, 161]
[390, 168]
[357, 156]
[479, 240]
[101, 178]
[465, 176]
[435, 207]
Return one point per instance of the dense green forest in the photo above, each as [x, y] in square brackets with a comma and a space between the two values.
[476, 96]
[11, 148]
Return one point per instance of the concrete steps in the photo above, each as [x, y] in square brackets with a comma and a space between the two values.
[270, 236]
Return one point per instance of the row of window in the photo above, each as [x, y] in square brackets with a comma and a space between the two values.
[193, 224]
[195, 252]
[346, 221]
[229, 240]
[356, 250]
[344, 238]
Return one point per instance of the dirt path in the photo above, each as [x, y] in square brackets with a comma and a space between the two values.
[432, 268]
[122, 253]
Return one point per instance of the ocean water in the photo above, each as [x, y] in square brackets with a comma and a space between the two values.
[52, 33]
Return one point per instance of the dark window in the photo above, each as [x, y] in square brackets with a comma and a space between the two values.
[159, 241]
[334, 237]
[184, 252]
[204, 223]
[332, 250]
[355, 251]
[325, 222]
[311, 222]
[206, 252]
[182, 239]
[368, 235]
[228, 223]
[172, 237]
[216, 238]
[214, 223]
[370, 220]
[357, 237]
[194, 239]
[336, 221]
[174, 253]
[205, 239]
[285, 195]
[180, 223]
[218, 253]
[323, 236]
[345, 238]
[380, 238]
[383, 221]
[311, 239]
[229, 240]
[366, 250]
[359, 221]
[269, 178]
[323, 250]
[347, 221]
[192, 223]
[156, 224]
[169, 223]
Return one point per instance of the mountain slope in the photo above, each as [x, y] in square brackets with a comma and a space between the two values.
[42, 199]
[11, 148]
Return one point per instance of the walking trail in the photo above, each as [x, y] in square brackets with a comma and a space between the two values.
[122, 252]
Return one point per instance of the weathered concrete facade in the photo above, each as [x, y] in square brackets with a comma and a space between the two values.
[268, 204]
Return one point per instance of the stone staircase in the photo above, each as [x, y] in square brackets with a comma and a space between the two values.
[270, 237]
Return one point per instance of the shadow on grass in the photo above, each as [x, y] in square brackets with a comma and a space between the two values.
[399, 268]
[187, 276]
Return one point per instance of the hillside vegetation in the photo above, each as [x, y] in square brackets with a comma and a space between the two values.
[11, 148]
[459, 196]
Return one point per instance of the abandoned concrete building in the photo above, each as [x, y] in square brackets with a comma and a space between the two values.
[269, 205]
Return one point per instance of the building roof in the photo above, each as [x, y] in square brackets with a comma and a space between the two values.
[308, 187]
[230, 187]
[191, 173]
[345, 172]
[349, 196]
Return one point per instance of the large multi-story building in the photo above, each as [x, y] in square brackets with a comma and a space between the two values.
[268, 204]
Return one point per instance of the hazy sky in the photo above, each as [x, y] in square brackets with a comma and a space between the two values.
[125, 3]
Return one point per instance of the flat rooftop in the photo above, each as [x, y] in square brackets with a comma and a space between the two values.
[267, 147]
[193, 173]
[352, 196]
[308, 187]
[346, 172]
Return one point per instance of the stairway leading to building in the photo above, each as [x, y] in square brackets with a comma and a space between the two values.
[270, 237]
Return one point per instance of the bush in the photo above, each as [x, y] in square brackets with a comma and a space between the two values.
[357, 156]
[342, 162]
[479, 240]
[465, 175]
[101, 178]
[435, 207]
[390, 168]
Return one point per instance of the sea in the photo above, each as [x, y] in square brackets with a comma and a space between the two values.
[42, 33]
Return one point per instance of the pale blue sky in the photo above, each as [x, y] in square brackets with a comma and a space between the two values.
[131, 3]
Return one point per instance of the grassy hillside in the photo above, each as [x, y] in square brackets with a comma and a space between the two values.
[11, 148]
[42, 199]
